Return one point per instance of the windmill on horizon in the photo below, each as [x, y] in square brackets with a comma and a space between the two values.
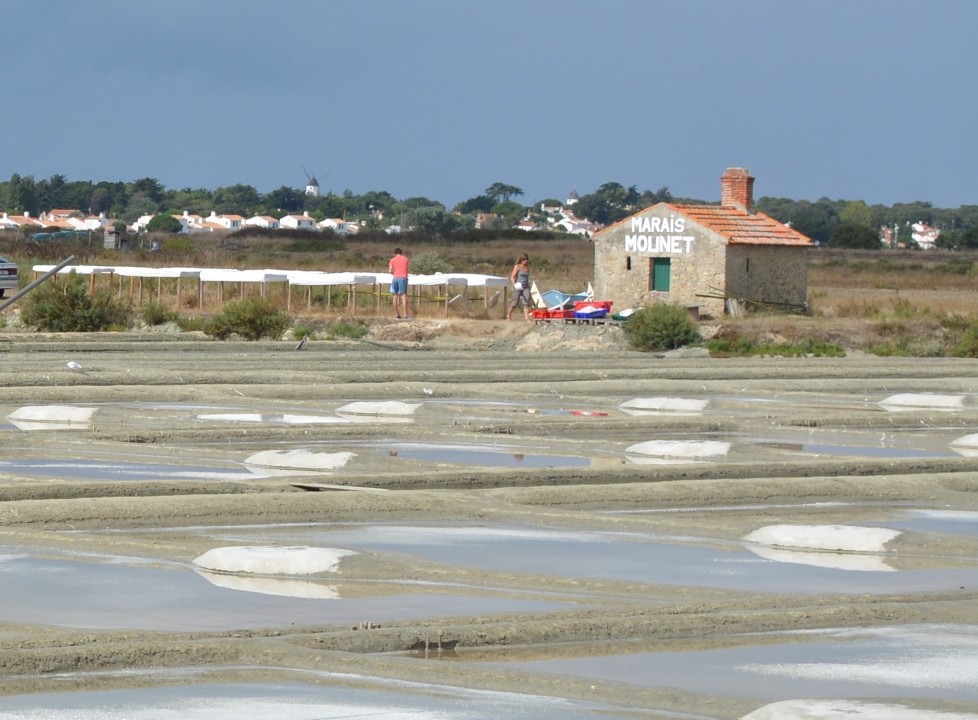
[312, 185]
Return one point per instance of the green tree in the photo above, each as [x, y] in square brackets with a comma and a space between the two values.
[501, 192]
[477, 204]
[99, 201]
[609, 203]
[856, 212]
[52, 193]
[109, 198]
[195, 201]
[237, 200]
[164, 223]
[958, 239]
[511, 212]
[149, 187]
[816, 220]
[851, 235]
[140, 204]
[654, 197]
[434, 221]
[287, 200]
[327, 206]
[21, 196]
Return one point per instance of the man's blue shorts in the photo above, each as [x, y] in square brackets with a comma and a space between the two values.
[399, 286]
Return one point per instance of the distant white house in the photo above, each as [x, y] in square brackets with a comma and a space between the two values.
[189, 221]
[59, 214]
[12, 222]
[228, 222]
[924, 235]
[90, 222]
[143, 220]
[575, 226]
[262, 221]
[337, 225]
[298, 222]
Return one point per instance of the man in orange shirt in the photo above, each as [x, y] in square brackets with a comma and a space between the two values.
[398, 267]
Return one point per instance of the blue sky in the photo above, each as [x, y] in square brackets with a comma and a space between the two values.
[869, 100]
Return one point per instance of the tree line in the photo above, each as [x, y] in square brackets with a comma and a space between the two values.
[848, 223]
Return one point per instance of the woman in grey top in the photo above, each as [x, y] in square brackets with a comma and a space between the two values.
[520, 277]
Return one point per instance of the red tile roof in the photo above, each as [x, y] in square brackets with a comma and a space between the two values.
[740, 227]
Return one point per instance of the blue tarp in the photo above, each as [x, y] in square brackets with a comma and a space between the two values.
[556, 299]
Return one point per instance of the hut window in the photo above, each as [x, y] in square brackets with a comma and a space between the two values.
[747, 266]
[628, 263]
[660, 270]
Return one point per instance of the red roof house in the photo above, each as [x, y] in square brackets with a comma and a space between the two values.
[713, 256]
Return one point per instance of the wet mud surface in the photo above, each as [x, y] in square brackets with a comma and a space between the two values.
[556, 524]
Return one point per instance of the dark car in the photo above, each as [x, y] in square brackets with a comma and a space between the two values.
[9, 279]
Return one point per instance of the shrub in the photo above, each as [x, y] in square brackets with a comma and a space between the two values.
[429, 263]
[967, 345]
[300, 332]
[192, 323]
[743, 346]
[661, 326]
[156, 313]
[67, 306]
[251, 318]
[347, 329]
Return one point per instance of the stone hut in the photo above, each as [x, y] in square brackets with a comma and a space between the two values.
[708, 257]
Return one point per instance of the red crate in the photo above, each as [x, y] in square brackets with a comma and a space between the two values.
[541, 314]
[561, 314]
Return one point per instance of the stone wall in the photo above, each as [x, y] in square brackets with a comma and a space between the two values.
[623, 255]
[768, 273]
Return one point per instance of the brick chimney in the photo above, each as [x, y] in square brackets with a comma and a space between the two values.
[738, 189]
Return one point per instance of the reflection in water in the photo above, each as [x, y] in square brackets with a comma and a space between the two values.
[836, 561]
[272, 586]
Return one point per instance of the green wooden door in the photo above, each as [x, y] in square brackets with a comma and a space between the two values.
[661, 271]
